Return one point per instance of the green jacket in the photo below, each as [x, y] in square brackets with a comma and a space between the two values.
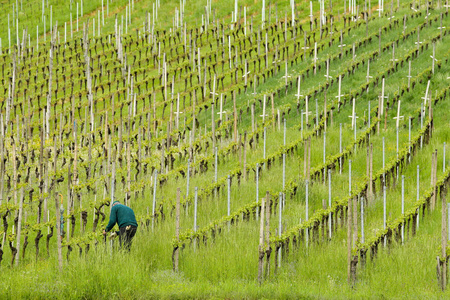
[122, 215]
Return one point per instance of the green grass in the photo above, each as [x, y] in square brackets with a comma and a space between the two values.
[227, 265]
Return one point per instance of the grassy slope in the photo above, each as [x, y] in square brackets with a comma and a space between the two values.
[227, 269]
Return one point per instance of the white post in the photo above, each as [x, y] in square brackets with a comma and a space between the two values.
[426, 97]
[317, 113]
[245, 20]
[264, 151]
[339, 91]
[263, 13]
[353, 116]
[409, 137]
[215, 165]
[443, 162]
[65, 33]
[188, 175]
[398, 118]
[298, 95]
[409, 75]
[307, 112]
[257, 189]
[448, 219]
[264, 109]
[362, 220]
[403, 206]
[293, 12]
[307, 210]
[229, 195]
[154, 198]
[397, 142]
[433, 58]
[315, 57]
[284, 155]
[384, 211]
[349, 179]
[195, 208]
[382, 97]
[324, 152]
[301, 123]
[235, 10]
[329, 202]
[417, 195]
[340, 148]
[51, 19]
[280, 199]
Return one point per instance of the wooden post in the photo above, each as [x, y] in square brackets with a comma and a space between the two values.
[325, 111]
[261, 243]
[193, 115]
[267, 233]
[305, 157]
[177, 232]
[14, 171]
[19, 224]
[128, 193]
[444, 237]
[49, 95]
[368, 168]
[252, 107]
[432, 183]
[306, 211]
[435, 189]
[235, 116]
[88, 73]
[273, 111]
[370, 172]
[213, 123]
[309, 159]
[355, 220]
[58, 219]
[330, 216]
[349, 229]
[155, 177]
[244, 168]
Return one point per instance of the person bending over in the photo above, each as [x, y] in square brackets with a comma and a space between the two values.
[126, 220]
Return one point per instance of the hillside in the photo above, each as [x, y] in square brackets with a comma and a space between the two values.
[286, 149]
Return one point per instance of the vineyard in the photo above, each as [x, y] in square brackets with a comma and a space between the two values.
[269, 149]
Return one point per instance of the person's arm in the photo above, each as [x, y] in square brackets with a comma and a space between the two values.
[112, 219]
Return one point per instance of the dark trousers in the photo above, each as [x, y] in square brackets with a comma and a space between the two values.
[126, 236]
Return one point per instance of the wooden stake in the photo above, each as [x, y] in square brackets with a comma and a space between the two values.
[19, 225]
[58, 219]
[433, 196]
[267, 233]
[444, 237]
[177, 232]
[349, 232]
[261, 242]
[244, 168]
[371, 172]
[308, 171]
[235, 116]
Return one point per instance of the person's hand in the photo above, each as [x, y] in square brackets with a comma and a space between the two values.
[104, 232]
